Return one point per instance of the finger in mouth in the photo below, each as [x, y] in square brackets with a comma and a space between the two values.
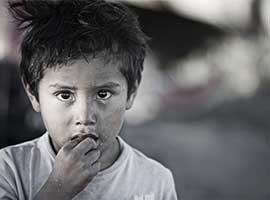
[81, 137]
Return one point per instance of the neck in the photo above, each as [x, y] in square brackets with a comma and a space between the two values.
[110, 154]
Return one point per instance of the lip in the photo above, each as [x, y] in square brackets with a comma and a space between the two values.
[83, 135]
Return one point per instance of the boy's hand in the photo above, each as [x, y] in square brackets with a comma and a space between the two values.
[76, 164]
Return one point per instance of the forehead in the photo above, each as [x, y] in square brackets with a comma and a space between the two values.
[85, 73]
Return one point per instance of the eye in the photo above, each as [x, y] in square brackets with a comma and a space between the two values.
[65, 96]
[104, 94]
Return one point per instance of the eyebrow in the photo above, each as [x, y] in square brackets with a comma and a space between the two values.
[108, 85]
[59, 86]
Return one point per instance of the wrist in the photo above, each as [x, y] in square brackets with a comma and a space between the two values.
[53, 189]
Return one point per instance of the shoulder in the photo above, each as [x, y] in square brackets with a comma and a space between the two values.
[147, 165]
[19, 152]
[23, 168]
[150, 175]
[13, 160]
[17, 148]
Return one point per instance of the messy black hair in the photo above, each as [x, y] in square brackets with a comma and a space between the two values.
[59, 31]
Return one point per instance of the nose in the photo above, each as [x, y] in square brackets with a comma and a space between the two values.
[86, 113]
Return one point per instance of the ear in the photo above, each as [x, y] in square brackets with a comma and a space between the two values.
[32, 98]
[131, 100]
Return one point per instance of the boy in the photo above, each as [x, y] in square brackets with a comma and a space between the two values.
[81, 67]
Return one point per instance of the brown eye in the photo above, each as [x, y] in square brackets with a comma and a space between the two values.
[104, 94]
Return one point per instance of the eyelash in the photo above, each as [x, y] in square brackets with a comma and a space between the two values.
[104, 91]
[58, 95]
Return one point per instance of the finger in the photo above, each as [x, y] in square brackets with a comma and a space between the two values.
[92, 156]
[85, 145]
[94, 168]
[82, 136]
[72, 143]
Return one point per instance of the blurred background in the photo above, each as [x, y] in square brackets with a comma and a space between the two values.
[203, 106]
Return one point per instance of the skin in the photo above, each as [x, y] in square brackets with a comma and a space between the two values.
[74, 100]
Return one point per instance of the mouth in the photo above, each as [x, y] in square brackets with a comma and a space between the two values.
[82, 136]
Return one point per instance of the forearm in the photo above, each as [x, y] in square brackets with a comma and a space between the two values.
[52, 189]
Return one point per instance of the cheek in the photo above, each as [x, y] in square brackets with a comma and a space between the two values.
[112, 122]
[53, 125]
[55, 121]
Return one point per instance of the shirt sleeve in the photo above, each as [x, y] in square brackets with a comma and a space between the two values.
[169, 188]
[7, 191]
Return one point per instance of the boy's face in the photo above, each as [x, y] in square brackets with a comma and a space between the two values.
[83, 98]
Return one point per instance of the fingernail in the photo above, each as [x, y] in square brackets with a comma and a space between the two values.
[98, 142]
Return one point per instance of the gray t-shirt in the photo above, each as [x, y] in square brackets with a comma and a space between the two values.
[25, 167]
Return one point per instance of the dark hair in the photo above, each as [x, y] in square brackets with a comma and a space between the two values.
[59, 31]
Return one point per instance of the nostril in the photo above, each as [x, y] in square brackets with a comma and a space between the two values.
[86, 122]
[85, 113]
